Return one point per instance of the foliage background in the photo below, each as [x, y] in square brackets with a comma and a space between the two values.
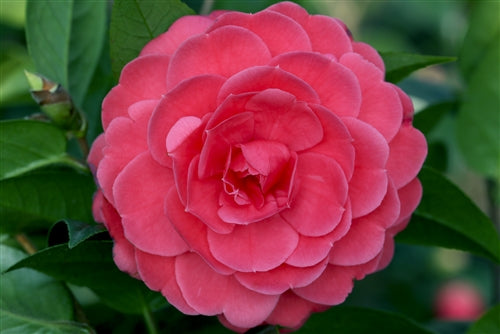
[48, 199]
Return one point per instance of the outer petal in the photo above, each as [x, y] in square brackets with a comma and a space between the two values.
[328, 36]
[185, 27]
[280, 279]
[260, 246]
[291, 10]
[211, 293]
[224, 51]
[331, 288]
[368, 185]
[144, 78]
[408, 152]
[368, 74]
[181, 102]
[125, 139]
[292, 311]
[140, 192]
[366, 236]
[369, 53]
[321, 192]
[336, 86]
[409, 196]
[95, 155]
[280, 33]
[158, 273]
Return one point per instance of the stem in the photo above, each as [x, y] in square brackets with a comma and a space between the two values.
[206, 8]
[26, 243]
[74, 163]
[492, 191]
[84, 146]
[149, 320]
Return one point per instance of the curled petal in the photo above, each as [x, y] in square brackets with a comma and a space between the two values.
[145, 224]
[260, 246]
[320, 195]
[211, 293]
[410, 196]
[224, 51]
[181, 102]
[369, 53]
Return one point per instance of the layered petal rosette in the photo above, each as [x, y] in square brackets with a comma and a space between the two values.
[253, 166]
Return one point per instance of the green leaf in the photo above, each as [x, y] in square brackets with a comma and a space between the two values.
[400, 65]
[31, 302]
[38, 199]
[349, 320]
[427, 119]
[478, 122]
[26, 145]
[65, 39]
[134, 23]
[484, 31]
[446, 217]
[75, 232]
[488, 324]
[90, 264]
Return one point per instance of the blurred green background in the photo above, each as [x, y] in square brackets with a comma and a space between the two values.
[409, 285]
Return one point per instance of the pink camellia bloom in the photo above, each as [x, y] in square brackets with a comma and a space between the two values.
[253, 166]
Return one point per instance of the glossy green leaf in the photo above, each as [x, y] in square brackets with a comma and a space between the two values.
[90, 264]
[65, 39]
[349, 320]
[446, 217]
[31, 302]
[488, 324]
[73, 232]
[400, 65]
[427, 119]
[27, 145]
[37, 200]
[134, 23]
[478, 122]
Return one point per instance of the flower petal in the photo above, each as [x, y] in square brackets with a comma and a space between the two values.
[211, 293]
[158, 273]
[369, 53]
[368, 185]
[139, 192]
[280, 33]
[181, 102]
[280, 279]
[185, 27]
[337, 87]
[408, 152]
[331, 288]
[328, 36]
[259, 78]
[256, 247]
[224, 51]
[409, 196]
[320, 195]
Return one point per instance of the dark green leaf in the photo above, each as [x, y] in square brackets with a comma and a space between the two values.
[349, 320]
[427, 119]
[65, 39]
[31, 302]
[90, 264]
[37, 200]
[27, 145]
[74, 231]
[134, 23]
[488, 324]
[447, 217]
[478, 122]
[400, 65]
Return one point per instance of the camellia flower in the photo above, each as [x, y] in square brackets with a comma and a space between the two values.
[253, 166]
